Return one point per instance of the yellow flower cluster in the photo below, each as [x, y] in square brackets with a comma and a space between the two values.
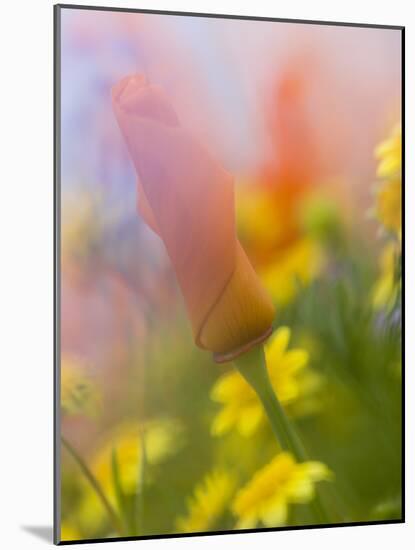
[208, 502]
[264, 499]
[241, 407]
[389, 192]
[389, 213]
[294, 268]
[158, 438]
[267, 496]
[79, 393]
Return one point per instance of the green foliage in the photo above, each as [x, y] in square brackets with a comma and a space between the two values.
[356, 430]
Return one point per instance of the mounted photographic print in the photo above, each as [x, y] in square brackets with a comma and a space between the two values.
[228, 275]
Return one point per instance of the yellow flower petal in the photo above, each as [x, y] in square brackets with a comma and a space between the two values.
[389, 192]
[390, 154]
[388, 167]
[249, 420]
[301, 490]
[247, 522]
[286, 389]
[297, 267]
[295, 360]
[224, 421]
[316, 471]
[228, 385]
[239, 402]
[389, 205]
[274, 487]
[277, 344]
[275, 513]
[208, 502]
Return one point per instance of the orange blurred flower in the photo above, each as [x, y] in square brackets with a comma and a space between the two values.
[271, 204]
[188, 199]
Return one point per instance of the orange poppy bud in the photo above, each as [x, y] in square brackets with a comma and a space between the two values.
[187, 198]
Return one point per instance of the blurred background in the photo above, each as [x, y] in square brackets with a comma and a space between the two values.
[295, 112]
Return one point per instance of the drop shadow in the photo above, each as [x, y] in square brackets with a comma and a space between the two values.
[43, 532]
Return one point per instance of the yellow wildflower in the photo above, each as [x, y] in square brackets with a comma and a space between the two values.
[294, 268]
[162, 438]
[241, 407]
[79, 393]
[389, 192]
[388, 205]
[208, 502]
[389, 152]
[266, 497]
[387, 285]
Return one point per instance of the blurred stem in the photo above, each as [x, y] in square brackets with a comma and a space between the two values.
[253, 368]
[95, 485]
[122, 503]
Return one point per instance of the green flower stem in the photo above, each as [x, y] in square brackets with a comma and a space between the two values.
[115, 521]
[252, 367]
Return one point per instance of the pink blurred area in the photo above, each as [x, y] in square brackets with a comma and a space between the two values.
[220, 75]
[275, 98]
